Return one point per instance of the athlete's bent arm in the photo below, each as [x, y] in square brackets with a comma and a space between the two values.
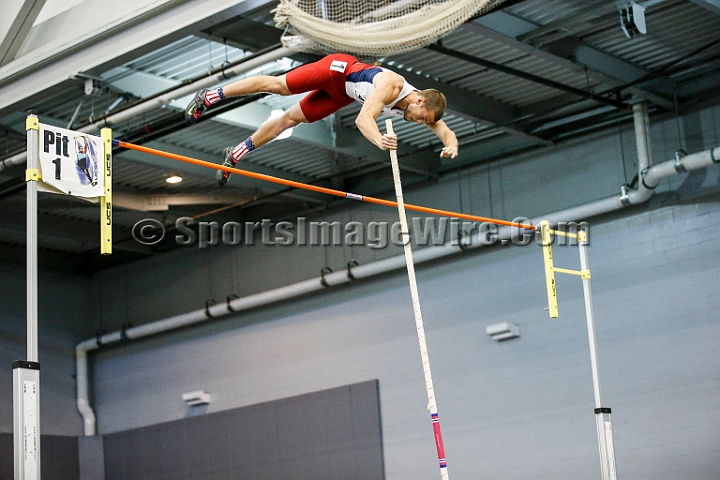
[387, 87]
[447, 137]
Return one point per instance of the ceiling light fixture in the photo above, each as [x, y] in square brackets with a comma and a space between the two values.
[632, 19]
[175, 178]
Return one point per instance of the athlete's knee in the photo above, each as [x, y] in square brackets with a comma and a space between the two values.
[277, 85]
[294, 116]
[287, 121]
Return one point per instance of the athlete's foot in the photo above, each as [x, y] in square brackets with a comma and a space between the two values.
[221, 175]
[196, 107]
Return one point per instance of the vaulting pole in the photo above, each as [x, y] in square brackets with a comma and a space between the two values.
[432, 404]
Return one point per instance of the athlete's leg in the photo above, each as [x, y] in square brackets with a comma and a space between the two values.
[247, 86]
[258, 84]
[267, 132]
[325, 82]
[327, 74]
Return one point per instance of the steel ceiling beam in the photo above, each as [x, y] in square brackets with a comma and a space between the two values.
[528, 76]
[48, 67]
[181, 167]
[711, 5]
[589, 17]
[569, 53]
[474, 106]
[14, 37]
[247, 183]
[465, 103]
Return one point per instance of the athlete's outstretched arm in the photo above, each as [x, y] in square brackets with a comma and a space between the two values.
[447, 137]
[388, 86]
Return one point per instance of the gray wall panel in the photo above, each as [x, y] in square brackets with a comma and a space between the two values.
[91, 457]
[65, 317]
[58, 457]
[299, 438]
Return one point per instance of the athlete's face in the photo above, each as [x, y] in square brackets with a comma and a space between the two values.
[416, 112]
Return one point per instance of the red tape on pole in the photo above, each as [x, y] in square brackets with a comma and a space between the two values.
[438, 440]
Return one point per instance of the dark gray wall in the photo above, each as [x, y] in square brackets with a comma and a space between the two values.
[333, 434]
[58, 457]
[66, 312]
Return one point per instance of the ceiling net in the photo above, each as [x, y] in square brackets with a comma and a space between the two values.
[372, 28]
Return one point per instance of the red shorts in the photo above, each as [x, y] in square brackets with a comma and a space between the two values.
[325, 80]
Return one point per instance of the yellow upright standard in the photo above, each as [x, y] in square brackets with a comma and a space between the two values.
[602, 414]
[549, 269]
[106, 199]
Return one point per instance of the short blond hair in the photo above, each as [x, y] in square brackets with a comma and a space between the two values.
[434, 101]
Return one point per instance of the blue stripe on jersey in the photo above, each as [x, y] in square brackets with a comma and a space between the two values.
[365, 75]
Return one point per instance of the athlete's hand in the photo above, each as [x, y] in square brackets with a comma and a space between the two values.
[389, 142]
[451, 152]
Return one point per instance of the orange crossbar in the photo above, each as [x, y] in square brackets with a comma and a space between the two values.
[314, 188]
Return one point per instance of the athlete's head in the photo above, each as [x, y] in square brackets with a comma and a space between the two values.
[434, 102]
[427, 106]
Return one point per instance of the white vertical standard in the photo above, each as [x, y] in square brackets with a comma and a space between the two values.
[26, 374]
[432, 405]
[32, 177]
[26, 421]
[602, 414]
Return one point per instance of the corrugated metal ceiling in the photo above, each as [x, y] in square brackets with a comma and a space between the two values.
[682, 44]
[675, 30]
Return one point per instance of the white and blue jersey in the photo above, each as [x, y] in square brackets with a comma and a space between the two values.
[359, 86]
